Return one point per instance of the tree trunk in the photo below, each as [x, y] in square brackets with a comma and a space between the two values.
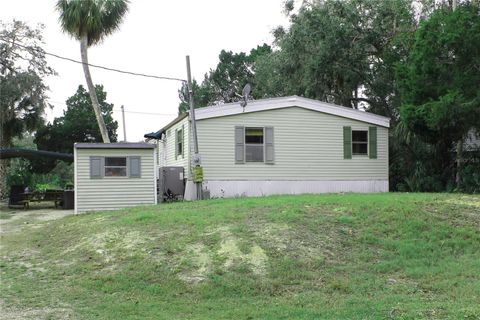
[91, 90]
[458, 178]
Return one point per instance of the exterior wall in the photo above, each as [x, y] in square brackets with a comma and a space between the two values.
[308, 147]
[258, 188]
[169, 143]
[113, 192]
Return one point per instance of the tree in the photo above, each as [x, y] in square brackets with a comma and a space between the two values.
[23, 98]
[224, 84]
[342, 52]
[90, 21]
[77, 124]
[440, 81]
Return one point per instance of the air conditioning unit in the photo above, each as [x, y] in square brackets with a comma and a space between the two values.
[170, 183]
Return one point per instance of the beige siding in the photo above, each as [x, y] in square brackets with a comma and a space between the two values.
[183, 160]
[308, 146]
[113, 192]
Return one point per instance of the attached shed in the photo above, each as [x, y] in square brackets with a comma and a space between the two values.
[114, 175]
[286, 145]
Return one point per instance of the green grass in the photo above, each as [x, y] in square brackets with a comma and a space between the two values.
[352, 256]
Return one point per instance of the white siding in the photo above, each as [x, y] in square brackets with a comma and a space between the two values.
[308, 146]
[183, 160]
[113, 192]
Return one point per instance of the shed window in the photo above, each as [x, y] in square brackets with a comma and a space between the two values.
[115, 166]
[254, 144]
[360, 142]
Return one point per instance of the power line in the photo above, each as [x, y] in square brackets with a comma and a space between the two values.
[149, 113]
[96, 66]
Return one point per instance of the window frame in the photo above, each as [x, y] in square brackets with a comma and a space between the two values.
[360, 142]
[253, 144]
[105, 166]
[179, 138]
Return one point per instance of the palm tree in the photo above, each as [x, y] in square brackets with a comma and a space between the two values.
[90, 21]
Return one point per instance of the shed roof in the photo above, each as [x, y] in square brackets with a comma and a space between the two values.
[119, 145]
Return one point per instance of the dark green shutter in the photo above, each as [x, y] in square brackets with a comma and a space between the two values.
[372, 142]
[269, 148]
[347, 143]
[96, 167]
[239, 144]
[134, 167]
[176, 144]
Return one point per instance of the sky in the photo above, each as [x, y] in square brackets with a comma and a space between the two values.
[154, 39]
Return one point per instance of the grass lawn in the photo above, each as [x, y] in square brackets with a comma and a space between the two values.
[352, 256]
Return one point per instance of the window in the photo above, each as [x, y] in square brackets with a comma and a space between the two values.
[179, 140]
[254, 144]
[115, 166]
[360, 142]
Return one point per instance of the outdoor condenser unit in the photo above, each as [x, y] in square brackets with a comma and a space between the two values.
[171, 183]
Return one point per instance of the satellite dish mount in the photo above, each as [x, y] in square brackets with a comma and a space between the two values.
[245, 94]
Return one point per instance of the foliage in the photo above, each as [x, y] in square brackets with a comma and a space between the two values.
[20, 172]
[352, 256]
[470, 173]
[78, 123]
[439, 86]
[336, 50]
[35, 173]
[440, 92]
[22, 88]
[224, 84]
[96, 19]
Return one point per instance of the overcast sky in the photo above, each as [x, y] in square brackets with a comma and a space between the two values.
[155, 38]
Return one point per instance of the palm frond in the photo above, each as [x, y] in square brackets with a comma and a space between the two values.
[94, 18]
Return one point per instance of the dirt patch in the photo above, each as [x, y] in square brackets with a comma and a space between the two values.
[33, 217]
[465, 201]
[57, 313]
[112, 245]
[200, 259]
[296, 243]
[256, 259]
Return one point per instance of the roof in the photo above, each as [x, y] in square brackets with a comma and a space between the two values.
[119, 145]
[229, 109]
[158, 135]
[286, 102]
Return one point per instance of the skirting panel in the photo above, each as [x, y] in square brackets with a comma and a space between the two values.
[248, 188]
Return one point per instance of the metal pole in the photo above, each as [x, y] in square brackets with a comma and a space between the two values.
[198, 185]
[124, 130]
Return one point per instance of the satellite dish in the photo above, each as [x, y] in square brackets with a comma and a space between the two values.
[245, 93]
[246, 90]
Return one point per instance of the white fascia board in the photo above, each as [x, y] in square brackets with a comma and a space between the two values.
[286, 102]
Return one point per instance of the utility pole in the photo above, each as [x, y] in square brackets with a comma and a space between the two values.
[196, 159]
[124, 130]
